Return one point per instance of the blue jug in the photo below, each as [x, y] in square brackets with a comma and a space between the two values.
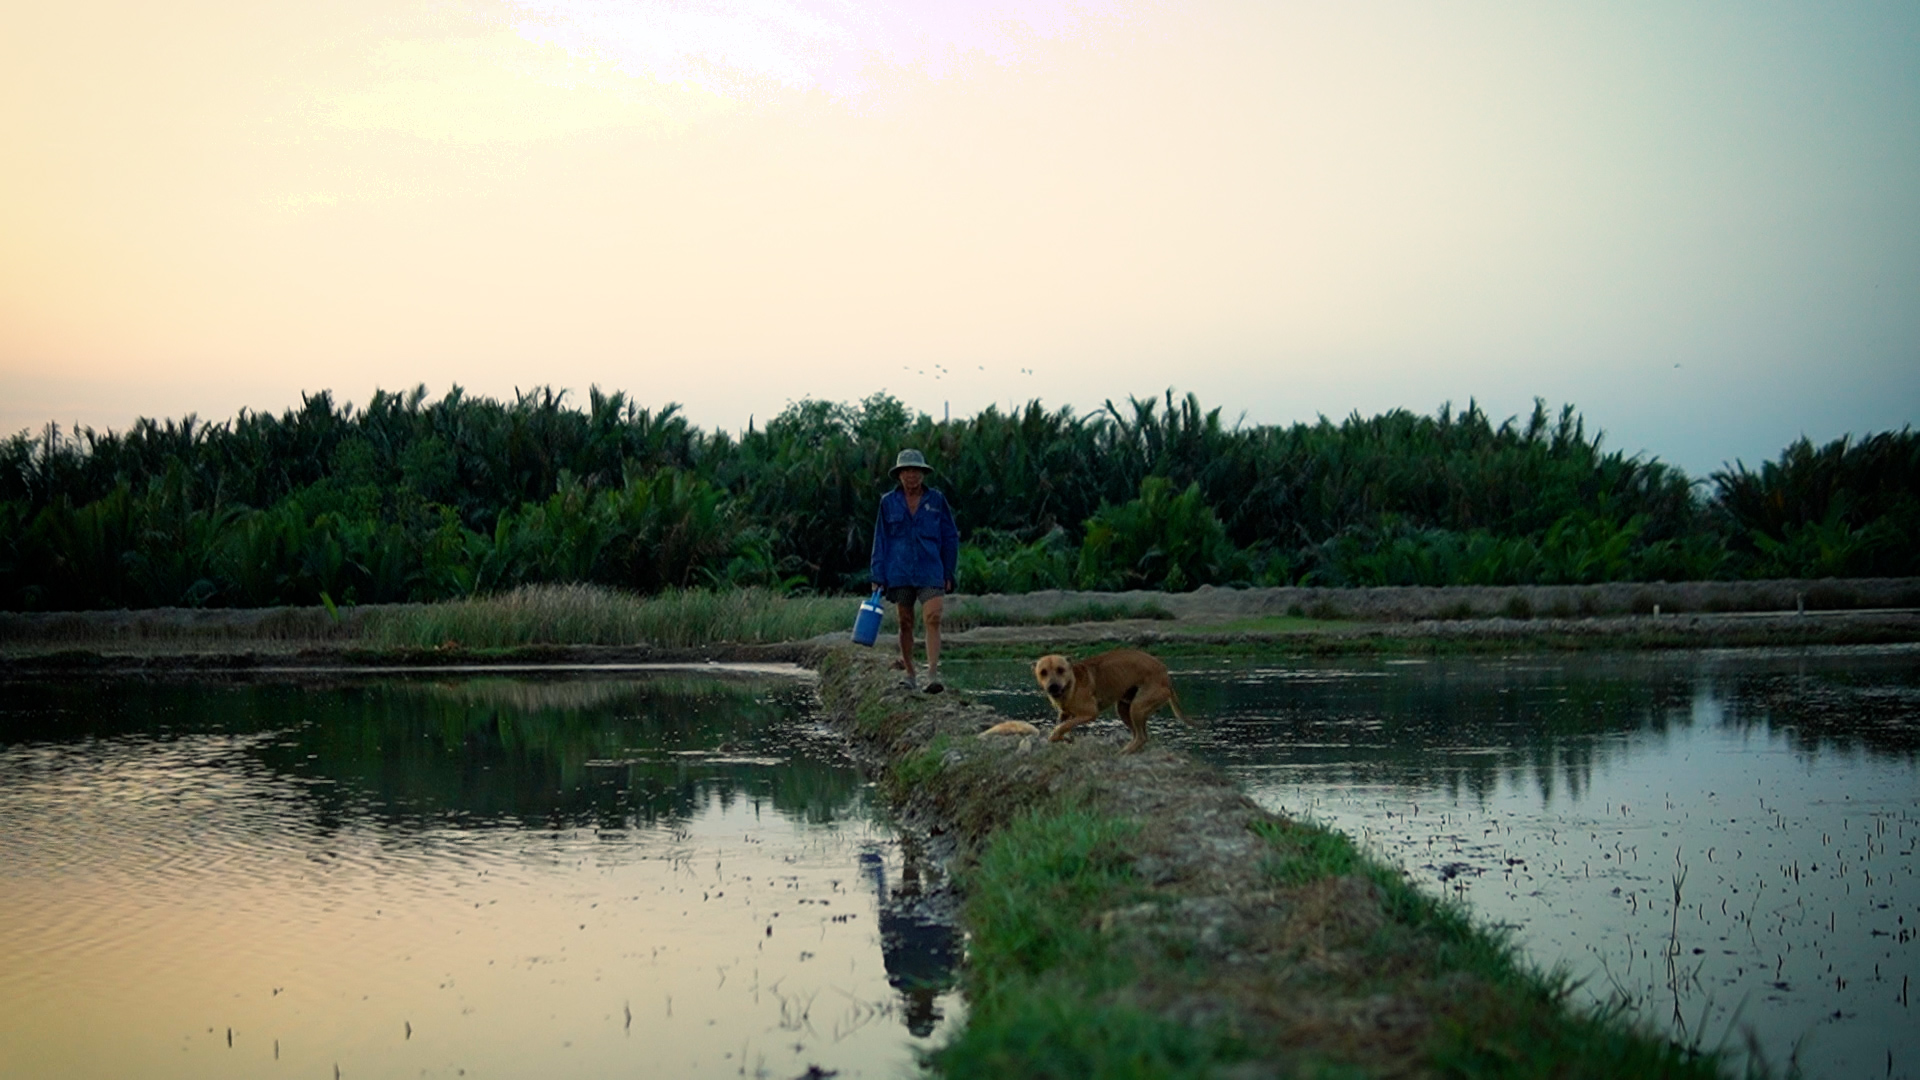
[866, 625]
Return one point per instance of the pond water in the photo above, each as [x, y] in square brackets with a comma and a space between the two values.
[672, 875]
[1573, 798]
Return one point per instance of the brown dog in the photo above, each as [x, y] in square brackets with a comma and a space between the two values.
[1128, 678]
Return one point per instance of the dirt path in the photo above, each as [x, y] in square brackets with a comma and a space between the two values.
[1157, 922]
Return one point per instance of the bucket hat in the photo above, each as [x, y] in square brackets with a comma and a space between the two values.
[909, 459]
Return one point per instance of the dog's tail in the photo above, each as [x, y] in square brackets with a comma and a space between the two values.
[1173, 699]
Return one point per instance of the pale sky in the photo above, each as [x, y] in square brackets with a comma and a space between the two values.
[1698, 222]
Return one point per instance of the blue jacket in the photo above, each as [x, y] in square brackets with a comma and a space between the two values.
[914, 549]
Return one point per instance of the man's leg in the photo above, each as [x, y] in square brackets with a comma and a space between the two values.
[906, 636]
[933, 609]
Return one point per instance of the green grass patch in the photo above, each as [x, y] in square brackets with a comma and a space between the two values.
[1058, 1033]
[1303, 853]
[595, 615]
[1504, 1019]
[871, 717]
[916, 769]
[1042, 976]
[1033, 895]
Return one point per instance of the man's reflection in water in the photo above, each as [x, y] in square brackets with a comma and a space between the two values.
[920, 950]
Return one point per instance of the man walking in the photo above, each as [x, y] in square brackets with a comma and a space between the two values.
[916, 547]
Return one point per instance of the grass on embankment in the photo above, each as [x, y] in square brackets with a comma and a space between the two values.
[1140, 917]
[541, 616]
[593, 615]
[532, 615]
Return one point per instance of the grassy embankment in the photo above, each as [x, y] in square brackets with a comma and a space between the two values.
[531, 616]
[591, 615]
[1303, 638]
[584, 621]
[1139, 916]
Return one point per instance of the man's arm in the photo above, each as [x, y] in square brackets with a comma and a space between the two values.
[949, 545]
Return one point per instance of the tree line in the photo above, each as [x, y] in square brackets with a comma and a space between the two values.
[408, 499]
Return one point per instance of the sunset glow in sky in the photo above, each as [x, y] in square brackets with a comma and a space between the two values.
[1699, 223]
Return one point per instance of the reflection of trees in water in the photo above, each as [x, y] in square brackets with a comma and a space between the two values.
[1469, 727]
[919, 946]
[1464, 729]
[1832, 710]
[607, 753]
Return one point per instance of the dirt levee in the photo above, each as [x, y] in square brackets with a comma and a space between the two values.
[1191, 928]
[1410, 603]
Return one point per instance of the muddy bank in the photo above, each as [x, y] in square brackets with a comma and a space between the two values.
[278, 628]
[1142, 911]
[1414, 603]
[1292, 636]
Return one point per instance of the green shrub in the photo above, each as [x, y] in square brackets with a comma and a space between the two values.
[1160, 540]
[992, 561]
[1844, 509]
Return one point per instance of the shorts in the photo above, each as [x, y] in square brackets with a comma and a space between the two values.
[909, 594]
